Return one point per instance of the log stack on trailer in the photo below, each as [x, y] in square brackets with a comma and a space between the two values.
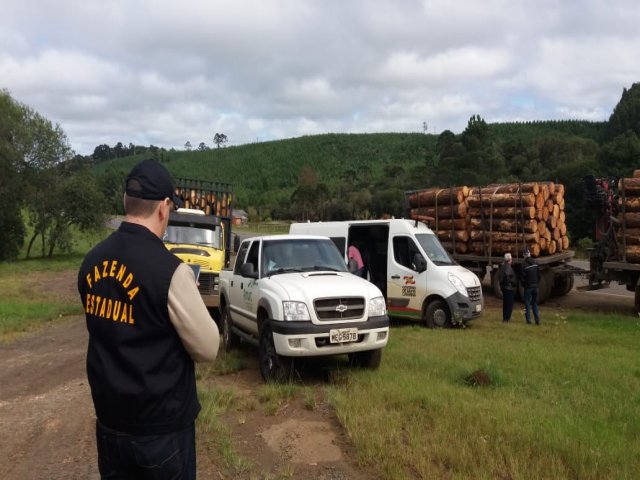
[495, 219]
[629, 217]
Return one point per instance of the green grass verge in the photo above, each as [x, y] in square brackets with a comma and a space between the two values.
[25, 304]
[20, 316]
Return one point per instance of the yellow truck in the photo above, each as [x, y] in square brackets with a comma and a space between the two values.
[200, 233]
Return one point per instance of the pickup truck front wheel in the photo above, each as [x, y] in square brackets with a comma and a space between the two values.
[369, 359]
[273, 367]
[229, 339]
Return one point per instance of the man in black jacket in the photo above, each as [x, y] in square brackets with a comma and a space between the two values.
[530, 280]
[147, 325]
[507, 279]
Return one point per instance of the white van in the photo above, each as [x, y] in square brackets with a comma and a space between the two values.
[406, 261]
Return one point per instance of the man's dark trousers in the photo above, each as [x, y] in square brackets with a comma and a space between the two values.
[531, 303]
[507, 304]
[166, 456]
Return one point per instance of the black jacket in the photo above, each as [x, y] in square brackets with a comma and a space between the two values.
[142, 379]
[507, 277]
[530, 273]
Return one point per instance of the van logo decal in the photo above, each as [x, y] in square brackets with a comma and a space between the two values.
[409, 280]
[341, 308]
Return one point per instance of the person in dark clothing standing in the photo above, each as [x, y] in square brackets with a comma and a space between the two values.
[530, 280]
[507, 279]
[147, 325]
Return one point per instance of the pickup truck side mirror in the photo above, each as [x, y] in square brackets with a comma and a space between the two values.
[419, 263]
[352, 265]
[246, 270]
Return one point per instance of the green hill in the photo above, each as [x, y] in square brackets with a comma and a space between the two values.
[269, 171]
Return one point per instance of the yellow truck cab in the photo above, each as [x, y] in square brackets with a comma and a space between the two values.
[200, 234]
[196, 239]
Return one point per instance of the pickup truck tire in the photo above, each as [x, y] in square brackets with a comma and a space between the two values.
[370, 359]
[437, 315]
[229, 339]
[273, 367]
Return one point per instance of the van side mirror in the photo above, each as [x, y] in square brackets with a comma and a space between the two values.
[419, 263]
[246, 270]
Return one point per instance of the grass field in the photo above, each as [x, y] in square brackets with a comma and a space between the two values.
[25, 303]
[563, 401]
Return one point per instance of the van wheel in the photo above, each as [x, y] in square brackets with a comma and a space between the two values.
[229, 339]
[273, 367]
[369, 359]
[437, 315]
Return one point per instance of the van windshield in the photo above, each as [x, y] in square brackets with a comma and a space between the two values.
[434, 249]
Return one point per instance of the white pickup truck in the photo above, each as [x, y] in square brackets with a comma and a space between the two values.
[292, 296]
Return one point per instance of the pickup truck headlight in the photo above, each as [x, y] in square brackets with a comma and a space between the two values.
[456, 282]
[377, 307]
[295, 311]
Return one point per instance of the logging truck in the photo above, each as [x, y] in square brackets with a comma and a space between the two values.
[200, 233]
[616, 255]
[477, 226]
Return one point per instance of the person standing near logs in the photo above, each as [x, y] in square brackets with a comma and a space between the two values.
[530, 280]
[507, 278]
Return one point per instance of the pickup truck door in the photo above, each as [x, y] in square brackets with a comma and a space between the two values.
[244, 291]
[405, 286]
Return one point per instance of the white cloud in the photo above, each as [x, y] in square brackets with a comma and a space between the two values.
[164, 72]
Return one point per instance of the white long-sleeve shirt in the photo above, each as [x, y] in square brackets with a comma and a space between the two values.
[190, 317]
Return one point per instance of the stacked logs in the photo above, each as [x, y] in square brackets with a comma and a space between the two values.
[629, 216]
[213, 198]
[495, 219]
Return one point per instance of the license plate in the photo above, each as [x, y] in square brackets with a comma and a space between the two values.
[343, 335]
[478, 308]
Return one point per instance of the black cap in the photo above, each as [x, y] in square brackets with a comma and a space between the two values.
[526, 253]
[149, 180]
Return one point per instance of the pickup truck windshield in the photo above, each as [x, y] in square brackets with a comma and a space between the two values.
[194, 236]
[300, 255]
[434, 249]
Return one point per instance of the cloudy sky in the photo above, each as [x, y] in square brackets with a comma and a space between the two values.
[164, 72]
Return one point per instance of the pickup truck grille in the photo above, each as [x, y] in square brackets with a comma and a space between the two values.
[474, 294]
[208, 283]
[328, 309]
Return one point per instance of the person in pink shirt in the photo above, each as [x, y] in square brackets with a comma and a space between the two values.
[354, 254]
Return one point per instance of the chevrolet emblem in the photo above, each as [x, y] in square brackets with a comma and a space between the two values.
[342, 308]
